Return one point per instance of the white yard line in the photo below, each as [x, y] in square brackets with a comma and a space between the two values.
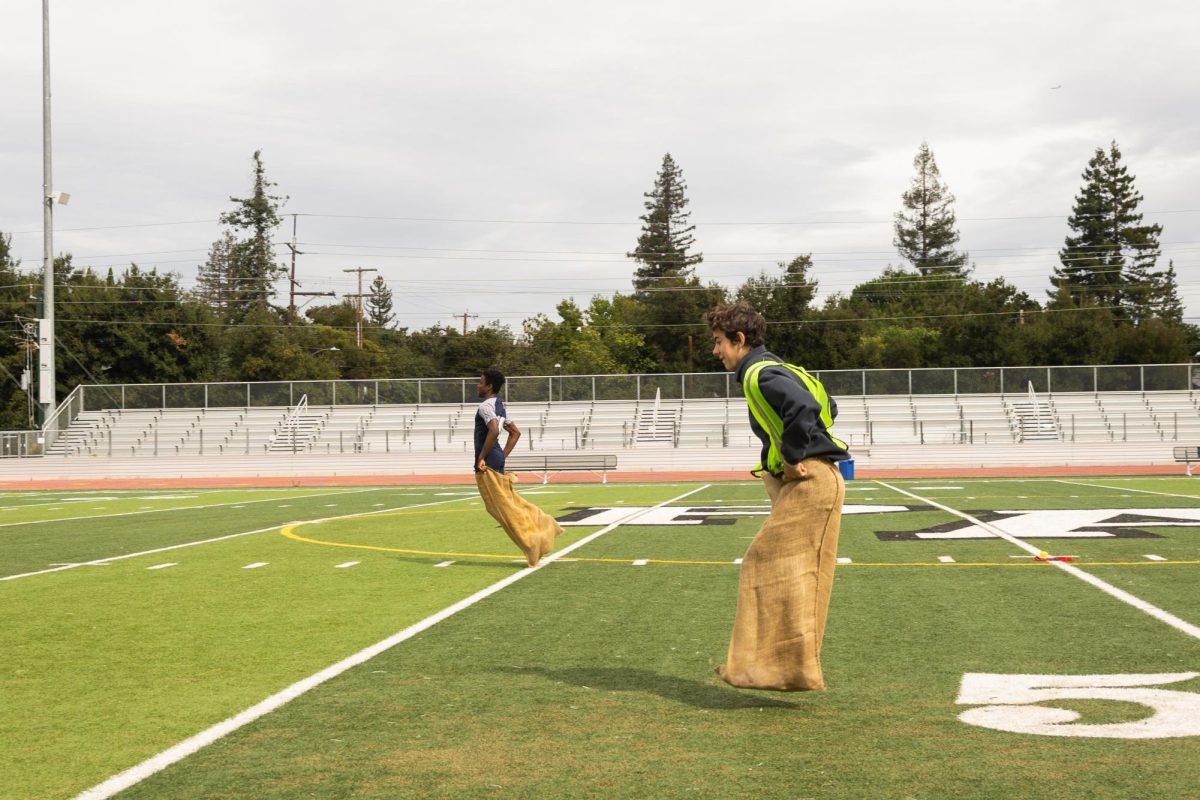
[190, 508]
[140, 772]
[110, 559]
[1122, 595]
[1126, 489]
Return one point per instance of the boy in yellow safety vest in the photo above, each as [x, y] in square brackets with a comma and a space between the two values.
[787, 573]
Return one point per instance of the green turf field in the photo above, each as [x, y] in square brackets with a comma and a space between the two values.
[131, 622]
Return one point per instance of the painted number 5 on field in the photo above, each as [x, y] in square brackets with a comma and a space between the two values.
[1007, 704]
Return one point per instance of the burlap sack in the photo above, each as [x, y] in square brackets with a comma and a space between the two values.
[530, 528]
[786, 579]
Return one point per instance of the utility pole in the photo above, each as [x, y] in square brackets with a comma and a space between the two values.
[293, 283]
[292, 279]
[27, 343]
[359, 316]
[464, 316]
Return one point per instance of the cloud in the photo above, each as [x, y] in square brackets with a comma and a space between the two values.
[556, 111]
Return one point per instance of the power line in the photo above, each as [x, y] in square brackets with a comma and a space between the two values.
[638, 326]
[699, 223]
[500, 221]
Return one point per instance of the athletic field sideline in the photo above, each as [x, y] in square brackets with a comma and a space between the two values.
[386, 642]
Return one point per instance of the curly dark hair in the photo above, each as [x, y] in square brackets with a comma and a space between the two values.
[493, 378]
[739, 316]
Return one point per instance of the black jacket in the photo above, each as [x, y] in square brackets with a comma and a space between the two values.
[804, 435]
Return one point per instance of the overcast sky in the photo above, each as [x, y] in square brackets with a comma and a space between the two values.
[530, 130]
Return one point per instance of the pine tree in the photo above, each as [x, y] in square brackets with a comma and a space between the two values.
[1110, 257]
[926, 232]
[6, 259]
[379, 303]
[1167, 304]
[255, 268]
[215, 276]
[670, 298]
[662, 247]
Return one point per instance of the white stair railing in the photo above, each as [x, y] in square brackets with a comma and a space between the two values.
[291, 422]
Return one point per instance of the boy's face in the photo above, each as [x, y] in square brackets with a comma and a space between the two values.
[484, 388]
[730, 351]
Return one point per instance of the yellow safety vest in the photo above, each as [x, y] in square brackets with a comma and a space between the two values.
[769, 419]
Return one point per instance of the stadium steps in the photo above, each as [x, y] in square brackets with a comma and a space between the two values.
[656, 427]
[1035, 421]
[296, 434]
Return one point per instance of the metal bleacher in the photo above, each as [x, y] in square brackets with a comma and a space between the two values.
[863, 421]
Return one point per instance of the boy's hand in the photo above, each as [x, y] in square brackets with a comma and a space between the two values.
[481, 466]
[795, 472]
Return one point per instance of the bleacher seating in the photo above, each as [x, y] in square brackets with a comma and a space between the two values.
[613, 425]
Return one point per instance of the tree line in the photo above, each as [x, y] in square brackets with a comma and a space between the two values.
[1108, 300]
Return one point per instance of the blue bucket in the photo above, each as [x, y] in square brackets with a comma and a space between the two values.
[847, 468]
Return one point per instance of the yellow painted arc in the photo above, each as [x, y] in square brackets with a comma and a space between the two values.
[290, 532]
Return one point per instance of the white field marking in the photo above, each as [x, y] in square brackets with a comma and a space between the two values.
[641, 562]
[285, 505]
[1153, 557]
[57, 503]
[105, 561]
[857, 489]
[454, 494]
[737, 561]
[255, 565]
[1120, 594]
[331, 505]
[140, 772]
[1013, 703]
[937, 487]
[1126, 489]
[347, 564]
[182, 508]
[110, 559]
[380, 504]
[844, 560]
[946, 559]
[164, 566]
[444, 564]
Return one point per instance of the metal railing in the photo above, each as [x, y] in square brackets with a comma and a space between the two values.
[669, 386]
[592, 388]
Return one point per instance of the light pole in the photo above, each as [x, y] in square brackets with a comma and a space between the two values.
[46, 394]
